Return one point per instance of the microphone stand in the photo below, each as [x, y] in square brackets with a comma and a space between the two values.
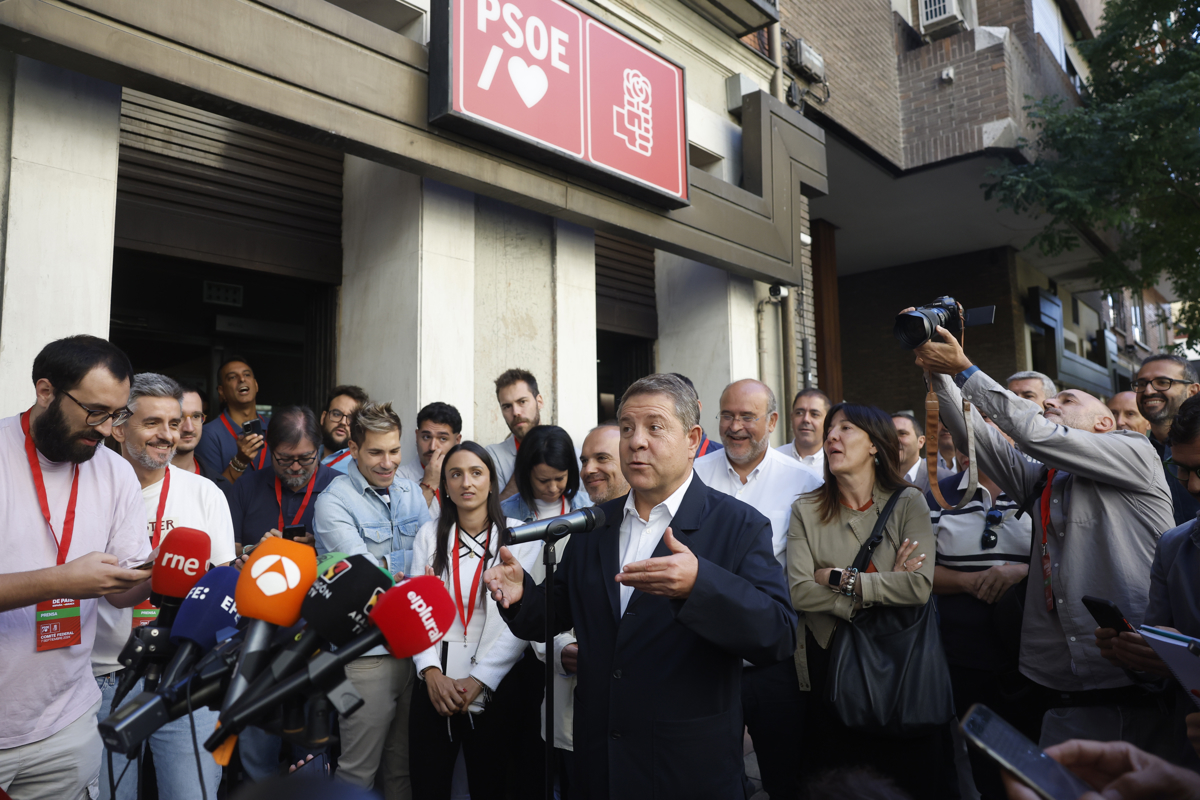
[549, 559]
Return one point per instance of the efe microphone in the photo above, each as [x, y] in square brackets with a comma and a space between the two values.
[208, 608]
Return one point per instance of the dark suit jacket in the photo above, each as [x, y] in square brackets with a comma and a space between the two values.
[658, 704]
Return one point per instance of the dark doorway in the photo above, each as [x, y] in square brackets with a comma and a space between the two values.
[182, 318]
[620, 360]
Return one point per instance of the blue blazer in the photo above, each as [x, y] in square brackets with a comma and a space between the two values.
[658, 705]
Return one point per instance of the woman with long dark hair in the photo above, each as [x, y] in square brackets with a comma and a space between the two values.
[465, 673]
[547, 477]
[828, 528]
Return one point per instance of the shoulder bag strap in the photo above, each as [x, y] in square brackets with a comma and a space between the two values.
[864, 554]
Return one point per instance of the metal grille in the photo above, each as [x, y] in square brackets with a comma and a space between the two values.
[625, 298]
[933, 10]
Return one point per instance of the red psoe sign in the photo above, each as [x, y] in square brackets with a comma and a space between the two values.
[544, 79]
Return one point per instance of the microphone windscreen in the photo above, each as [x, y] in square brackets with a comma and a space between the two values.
[209, 607]
[414, 615]
[342, 596]
[182, 561]
[328, 560]
[275, 580]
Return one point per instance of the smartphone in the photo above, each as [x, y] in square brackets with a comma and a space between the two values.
[1106, 614]
[253, 426]
[153, 557]
[294, 531]
[1009, 748]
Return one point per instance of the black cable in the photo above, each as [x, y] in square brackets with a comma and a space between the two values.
[195, 742]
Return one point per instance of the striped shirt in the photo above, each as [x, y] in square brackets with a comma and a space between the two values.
[960, 530]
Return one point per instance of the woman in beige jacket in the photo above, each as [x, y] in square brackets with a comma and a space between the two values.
[828, 528]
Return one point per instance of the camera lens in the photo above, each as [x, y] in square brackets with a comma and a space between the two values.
[914, 328]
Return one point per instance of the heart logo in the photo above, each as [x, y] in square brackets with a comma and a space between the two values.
[530, 80]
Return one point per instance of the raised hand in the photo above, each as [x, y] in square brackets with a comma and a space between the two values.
[506, 580]
[669, 576]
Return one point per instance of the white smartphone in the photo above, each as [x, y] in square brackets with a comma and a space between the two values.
[1013, 751]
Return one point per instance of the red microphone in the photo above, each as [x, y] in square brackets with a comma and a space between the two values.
[182, 561]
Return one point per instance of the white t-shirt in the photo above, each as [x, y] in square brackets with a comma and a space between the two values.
[192, 502]
[42, 693]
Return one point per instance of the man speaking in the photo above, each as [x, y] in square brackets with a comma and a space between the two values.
[666, 598]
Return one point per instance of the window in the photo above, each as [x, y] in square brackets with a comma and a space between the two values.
[1048, 21]
[1136, 323]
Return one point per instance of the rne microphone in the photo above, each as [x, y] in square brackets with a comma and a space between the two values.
[408, 618]
[208, 609]
[581, 521]
[182, 561]
[269, 593]
[336, 610]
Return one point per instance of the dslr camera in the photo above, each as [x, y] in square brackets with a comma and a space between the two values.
[915, 328]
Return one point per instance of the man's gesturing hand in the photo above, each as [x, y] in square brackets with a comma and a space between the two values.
[506, 580]
[671, 576]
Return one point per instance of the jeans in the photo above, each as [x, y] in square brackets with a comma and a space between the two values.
[174, 754]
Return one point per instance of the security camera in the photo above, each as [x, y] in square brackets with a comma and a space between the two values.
[777, 292]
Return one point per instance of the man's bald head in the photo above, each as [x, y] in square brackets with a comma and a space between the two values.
[748, 416]
[1080, 410]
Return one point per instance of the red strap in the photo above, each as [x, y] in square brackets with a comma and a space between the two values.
[162, 506]
[304, 505]
[195, 469]
[1047, 588]
[339, 458]
[262, 454]
[704, 447]
[466, 614]
[39, 483]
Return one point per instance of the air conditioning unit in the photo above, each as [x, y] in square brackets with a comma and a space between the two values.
[941, 17]
[803, 60]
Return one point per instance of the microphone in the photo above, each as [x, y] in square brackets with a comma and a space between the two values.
[581, 521]
[208, 608]
[269, 593]
[410, 617]
[336, 610]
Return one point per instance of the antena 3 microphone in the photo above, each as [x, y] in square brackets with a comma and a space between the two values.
[410, 617]
[269, 592]
[581, 521]
[208, 608]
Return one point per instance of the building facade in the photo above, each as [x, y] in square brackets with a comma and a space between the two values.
[199, 178]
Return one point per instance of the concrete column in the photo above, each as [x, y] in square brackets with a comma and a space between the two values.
[575, 328]
[59, 144]
[706, 327]
[407, 320]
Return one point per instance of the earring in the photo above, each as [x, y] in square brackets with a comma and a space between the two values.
[877, 461]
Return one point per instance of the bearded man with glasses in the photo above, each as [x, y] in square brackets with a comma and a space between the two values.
[340, 407]
[1163, 382]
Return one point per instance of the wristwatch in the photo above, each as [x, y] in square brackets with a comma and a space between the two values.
[835, 580]
[961, 378]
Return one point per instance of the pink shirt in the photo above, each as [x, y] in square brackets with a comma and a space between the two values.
[42, 693]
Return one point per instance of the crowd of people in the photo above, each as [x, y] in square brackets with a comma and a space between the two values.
[732, 592]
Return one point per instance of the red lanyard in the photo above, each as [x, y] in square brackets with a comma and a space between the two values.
[195, 469]
[465, 614]
[39, 483]
[262, 454]
[162, 506]
[1047, 589]
[304, 505]
[339, 458]
[704, 447]
[564, 508]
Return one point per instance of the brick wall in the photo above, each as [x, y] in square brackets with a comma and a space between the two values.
[876, 369]
[855, 37]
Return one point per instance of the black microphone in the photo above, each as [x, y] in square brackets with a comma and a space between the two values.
[581, 521]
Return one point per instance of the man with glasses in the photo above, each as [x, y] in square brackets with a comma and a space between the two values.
[226, 449]
[340, 407]
[191, 431]
[749, 469]
[284, 495]
[74, 528]
[982, 551]
[1099, 501]
[1163, 382]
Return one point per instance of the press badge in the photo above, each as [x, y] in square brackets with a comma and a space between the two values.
[57, 624]
[144, 613]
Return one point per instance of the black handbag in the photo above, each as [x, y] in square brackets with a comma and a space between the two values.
[887, 671]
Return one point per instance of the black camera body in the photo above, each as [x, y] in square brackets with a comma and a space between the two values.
[915, 328]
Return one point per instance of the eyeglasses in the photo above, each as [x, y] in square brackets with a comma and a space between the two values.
[1161, 384]
[745, 419]
[304, 461]
[1183, 474]
[96, 417]
[337, 415]
[991, 521]
[196, 418]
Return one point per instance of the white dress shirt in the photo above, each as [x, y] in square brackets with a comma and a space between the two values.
[815, 462]
[638, 537]
[770, 488]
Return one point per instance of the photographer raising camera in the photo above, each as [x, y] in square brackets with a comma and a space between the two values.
[1099, 502]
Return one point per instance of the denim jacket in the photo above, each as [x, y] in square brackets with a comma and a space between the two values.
[515, 508]
[352, 518]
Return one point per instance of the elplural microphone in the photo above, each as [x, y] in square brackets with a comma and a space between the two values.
[208, 608]
[408, 618]
[336, 610]
[269, 593]
[580, 521]
[182, 561]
